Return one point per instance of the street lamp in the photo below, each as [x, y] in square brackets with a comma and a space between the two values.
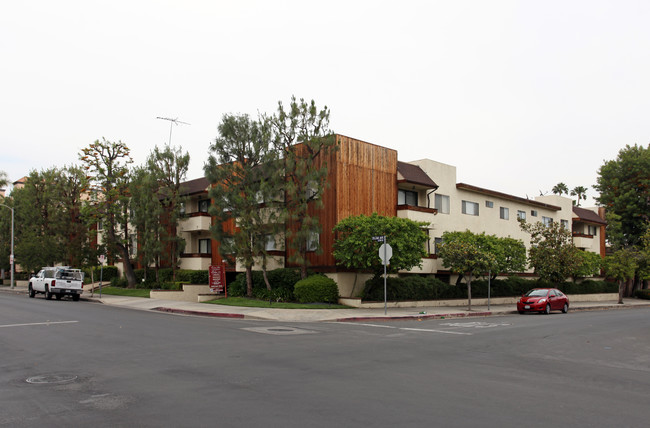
[11, 256]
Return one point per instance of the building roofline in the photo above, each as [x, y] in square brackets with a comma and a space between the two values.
[476, 189]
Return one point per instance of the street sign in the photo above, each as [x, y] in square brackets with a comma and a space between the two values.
[101, 259]
[217, 278]
[378, 238]
[385, 253]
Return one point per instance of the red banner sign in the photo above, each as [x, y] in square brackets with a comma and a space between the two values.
[218, 278]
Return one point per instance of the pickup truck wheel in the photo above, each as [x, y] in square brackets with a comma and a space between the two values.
[58, 296]
[32, 293]
[75, 297]
[48, 295]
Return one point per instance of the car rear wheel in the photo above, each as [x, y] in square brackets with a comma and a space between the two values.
[565, 309]
[32, 293]
[548, 309]
[75, 297]
[48, 295]
[521, 312]
[58, 296]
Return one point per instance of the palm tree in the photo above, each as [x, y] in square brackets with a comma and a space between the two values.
[560, 188]
[580, 192]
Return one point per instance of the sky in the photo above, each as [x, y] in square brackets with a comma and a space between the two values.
[518, 95]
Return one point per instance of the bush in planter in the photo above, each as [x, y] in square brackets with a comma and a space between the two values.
[316, 288]
[642, 294]
[281, 280]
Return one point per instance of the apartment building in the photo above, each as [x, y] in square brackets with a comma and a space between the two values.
[364, 178]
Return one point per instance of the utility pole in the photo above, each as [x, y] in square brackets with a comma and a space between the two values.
[172, 122]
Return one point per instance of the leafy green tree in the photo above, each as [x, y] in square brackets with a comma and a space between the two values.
[39, 221]
[621, 266]
[107, 164]
[589, 264]
[467, 254]
[305, 142]
[552, 254]
[146, 211]
[169, 167]
[354, 247]
[580, 192]
[4, 180]
[624, 186]
[242, 169]
[560, 189]
[5, 232]
[69, 187]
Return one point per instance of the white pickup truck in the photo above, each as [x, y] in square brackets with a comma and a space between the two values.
[57, 281]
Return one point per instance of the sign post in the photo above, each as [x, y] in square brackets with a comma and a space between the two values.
[385, 253]
[218, 279]
[101, 273]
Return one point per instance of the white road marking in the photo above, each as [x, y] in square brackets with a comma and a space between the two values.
[437, 331]
[474, 324]
[38, 323]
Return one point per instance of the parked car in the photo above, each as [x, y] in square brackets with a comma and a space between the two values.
[57, 281]
[543, 300]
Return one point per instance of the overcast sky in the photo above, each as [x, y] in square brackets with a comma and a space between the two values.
[518, 95]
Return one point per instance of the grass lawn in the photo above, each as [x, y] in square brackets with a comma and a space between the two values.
[117, 291]
[254, 303]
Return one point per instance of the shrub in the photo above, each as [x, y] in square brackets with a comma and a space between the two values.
[316, 288]
[107, 273]
[282, 282]
[410, 288]
[643, 294]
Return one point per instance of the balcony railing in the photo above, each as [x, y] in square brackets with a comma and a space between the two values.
[195, 222]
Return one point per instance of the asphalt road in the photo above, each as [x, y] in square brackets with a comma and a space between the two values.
[65, 363]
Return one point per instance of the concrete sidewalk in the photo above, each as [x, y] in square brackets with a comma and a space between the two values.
[316, 315]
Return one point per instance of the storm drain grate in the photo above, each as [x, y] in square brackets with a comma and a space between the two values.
[51, 378]
[279, 330]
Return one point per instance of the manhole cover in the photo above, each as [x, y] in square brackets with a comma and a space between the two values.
[279, 330]
[53, 378]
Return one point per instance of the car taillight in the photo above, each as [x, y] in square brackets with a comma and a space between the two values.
[53, 282]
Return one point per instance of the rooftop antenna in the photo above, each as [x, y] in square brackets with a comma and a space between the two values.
[172, 122]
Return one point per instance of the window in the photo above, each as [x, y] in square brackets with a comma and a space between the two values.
[592, 230]
[313, 241]
[437, 242]
[182, 209]
[533, 213]
[547, 221]
[489, 204]
[504, 213]
[204, 246]
[442, 204]
[100, 225]
[204, 204]
[470, 208]
[407, 197]
[565, 224]
[521, 215]
[269, 243]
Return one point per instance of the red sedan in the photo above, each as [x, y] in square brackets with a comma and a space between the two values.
[543, 300]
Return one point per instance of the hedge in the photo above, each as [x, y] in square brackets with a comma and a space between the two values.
[643, 294]
[316, 289]
[282, 282]
[429, 288]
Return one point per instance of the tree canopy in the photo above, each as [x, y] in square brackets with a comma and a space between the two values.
[624, 186]
[355, 248]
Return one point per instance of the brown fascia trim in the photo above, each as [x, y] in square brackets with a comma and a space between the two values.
[417, 208]
[487, 192]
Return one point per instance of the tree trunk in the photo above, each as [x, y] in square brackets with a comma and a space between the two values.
[621, 291]
[249, 281]
[128, 268]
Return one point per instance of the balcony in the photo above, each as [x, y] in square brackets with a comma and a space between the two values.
[415, 213]
[582, 240]
[195, 222]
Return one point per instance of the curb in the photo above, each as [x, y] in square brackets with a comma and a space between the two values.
[199, 313]
[417, 317]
